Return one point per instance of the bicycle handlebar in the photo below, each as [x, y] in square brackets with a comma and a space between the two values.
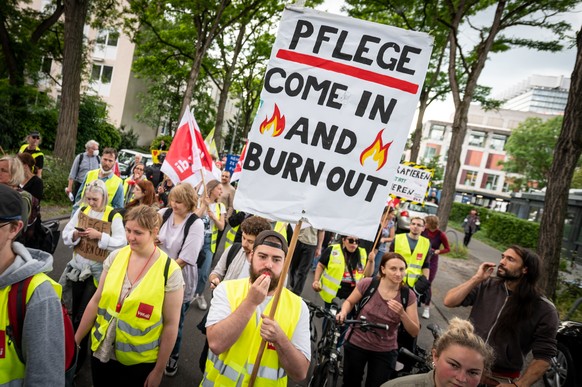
[367, 324]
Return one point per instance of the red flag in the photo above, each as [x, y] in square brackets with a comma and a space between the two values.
[238, 169]
[180, 162]
[116, 169]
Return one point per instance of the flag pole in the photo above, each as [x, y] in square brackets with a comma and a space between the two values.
[380, 230]
[276, 297]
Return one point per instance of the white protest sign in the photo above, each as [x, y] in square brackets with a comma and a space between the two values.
[336, 108]
[411, 182]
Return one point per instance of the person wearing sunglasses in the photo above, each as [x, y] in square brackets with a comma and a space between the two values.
[31, 146]
[130, 183]
[340, 268]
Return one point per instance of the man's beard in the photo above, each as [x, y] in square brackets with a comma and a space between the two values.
[104, 172]
[254, 275]
[508, 275]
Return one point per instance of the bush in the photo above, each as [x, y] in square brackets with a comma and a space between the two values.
[460, 210]
[509, 230]
[55, 178]
[156, 142]
[128, 138]
[459, 251]
[93, 125]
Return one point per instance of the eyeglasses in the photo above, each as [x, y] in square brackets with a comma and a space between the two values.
[36, 137]
[352, 240]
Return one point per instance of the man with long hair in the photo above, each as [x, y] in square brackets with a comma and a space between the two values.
[512, 315]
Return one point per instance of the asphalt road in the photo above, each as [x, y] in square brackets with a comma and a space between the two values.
[193, 341]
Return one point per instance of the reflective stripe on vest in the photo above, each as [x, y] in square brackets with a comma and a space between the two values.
[331, 278]
[139, 323]
[402, 247]
[234, 366]
[230, 235]
[217, 211]
[37, 152]
[112, 184]
[12, 370]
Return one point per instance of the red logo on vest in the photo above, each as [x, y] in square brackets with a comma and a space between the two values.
[419, 257]
[271, 346]
[2, 344]
[144, 311]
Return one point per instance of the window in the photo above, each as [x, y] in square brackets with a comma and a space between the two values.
[490, 182]
[45, 65]
[473, 158]
[108, 38]
[468, 178]
[101, 73]
[477, 138]
[493, 162]
[497, 142]
[431, 151]
[437, 132]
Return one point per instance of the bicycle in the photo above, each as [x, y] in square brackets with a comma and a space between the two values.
[419, 360]
[328, 356]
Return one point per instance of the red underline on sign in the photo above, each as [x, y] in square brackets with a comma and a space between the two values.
[351, 71]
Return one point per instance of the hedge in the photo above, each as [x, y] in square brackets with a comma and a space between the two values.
[501, 227]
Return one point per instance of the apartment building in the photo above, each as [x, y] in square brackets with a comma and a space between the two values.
[481, 178]
[538, 93]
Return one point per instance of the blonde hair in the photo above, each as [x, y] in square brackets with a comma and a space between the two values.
[16, 170]
[97, 186]
[461, 332]
[184, 193]
[145, 216]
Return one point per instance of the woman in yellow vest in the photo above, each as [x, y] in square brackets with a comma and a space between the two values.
[378, 350]
[82, 273]
[133, 317]
[31, 147]
[213, 214]
[340, 268]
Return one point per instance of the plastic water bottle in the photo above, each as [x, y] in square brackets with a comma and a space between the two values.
[70, 195]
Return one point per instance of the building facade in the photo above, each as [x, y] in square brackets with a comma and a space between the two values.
[481, 180]
[544, 94]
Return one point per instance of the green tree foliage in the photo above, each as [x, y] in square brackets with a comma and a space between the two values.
[93, 125]
[495, 31]
[128, 138]
[435, 164]
[530, 149]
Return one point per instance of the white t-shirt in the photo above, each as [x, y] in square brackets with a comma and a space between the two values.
[220, 309]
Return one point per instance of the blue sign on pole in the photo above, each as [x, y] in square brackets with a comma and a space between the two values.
[231, 161]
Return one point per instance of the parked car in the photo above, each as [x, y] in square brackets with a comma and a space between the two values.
[126, 156]
[563, 370]
[408, 210]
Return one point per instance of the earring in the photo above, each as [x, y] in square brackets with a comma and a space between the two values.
[432, 364]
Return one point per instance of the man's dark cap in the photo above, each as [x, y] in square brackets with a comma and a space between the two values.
[10, 204]
[260, 240]
[34, 133]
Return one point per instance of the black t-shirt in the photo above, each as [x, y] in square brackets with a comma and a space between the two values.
[35, 187]
[38, 160]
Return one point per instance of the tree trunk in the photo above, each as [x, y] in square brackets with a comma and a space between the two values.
[75, 16]
[566, 155]
[227, 82]
[462, 104]
[417, 135]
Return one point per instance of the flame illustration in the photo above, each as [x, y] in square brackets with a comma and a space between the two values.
[276, 122]
[377, 150]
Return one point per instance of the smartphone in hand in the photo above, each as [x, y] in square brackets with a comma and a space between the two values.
[81, 229]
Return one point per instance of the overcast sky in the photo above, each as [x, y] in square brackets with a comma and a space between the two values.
[505, 69]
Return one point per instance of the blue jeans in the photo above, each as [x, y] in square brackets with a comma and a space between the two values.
[176, 351]
[204, 270]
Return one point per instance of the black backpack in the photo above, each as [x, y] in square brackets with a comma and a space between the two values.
[189, 222]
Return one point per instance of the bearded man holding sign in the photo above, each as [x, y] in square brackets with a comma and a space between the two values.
[237, 320]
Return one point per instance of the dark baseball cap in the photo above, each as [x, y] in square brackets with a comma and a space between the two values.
[34, 133]
[10, 204]
[260, 240]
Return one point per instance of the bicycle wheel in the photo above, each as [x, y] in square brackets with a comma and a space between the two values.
[324, 376]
